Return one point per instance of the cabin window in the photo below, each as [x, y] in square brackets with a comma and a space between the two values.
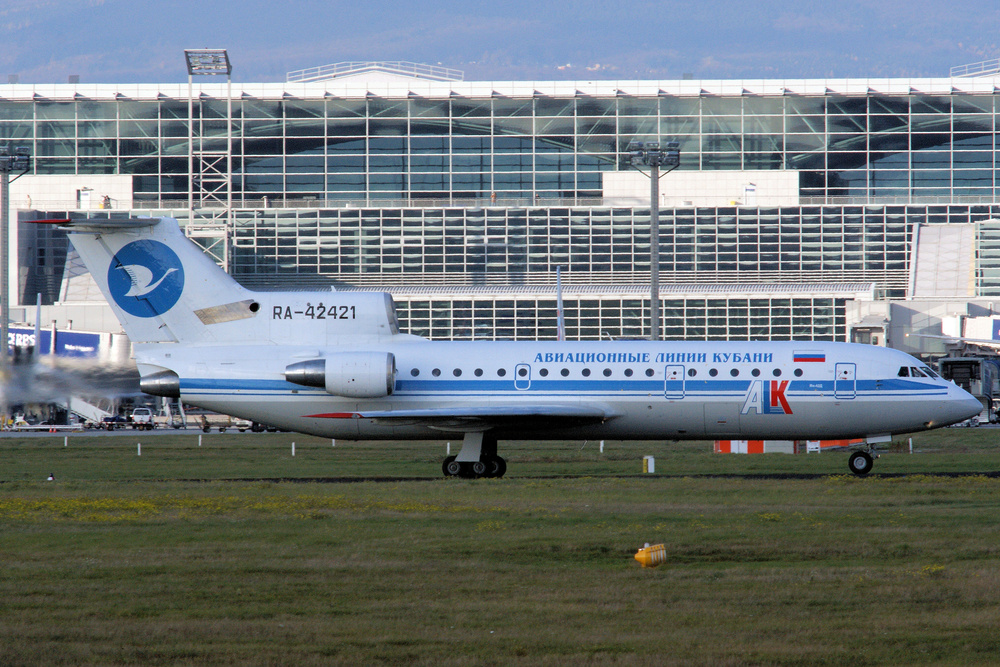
[544, 372]
[776, 372]
[523, 371]
[713, 372]
[692, 372]
[734, 372]
[501, 372]
[564, 372]
[586, 372]
[414, 372]
[436, 372]
[607, 372]
[628, 372]
[457, 372]
[479, 372]
[755, 372]
[649, 372]
[798, 372]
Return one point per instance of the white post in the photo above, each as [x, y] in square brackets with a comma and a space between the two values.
[293, 449]
[138, 449]
[199, 439]
[447, 450]
[911, 445]
[602, 446]
[333, 442]
[65, 441]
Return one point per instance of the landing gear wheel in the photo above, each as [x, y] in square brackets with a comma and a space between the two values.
[860, 463]
[495, 467]
[477, 469]
[500, 467]
[451, 467]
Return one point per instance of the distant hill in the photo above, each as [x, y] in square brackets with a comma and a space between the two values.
[115, 41]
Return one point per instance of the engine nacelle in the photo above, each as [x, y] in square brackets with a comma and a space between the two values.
[162, 383]
[348, 374]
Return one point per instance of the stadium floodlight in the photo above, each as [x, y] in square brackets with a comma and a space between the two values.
[208, 61]
[20, 161]
[653, 154]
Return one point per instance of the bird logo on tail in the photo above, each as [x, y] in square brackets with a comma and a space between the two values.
[142, 279]
[146, 278]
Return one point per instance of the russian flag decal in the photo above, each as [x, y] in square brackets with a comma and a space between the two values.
[808, 357]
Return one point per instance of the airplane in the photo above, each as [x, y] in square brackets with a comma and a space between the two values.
[335, 364]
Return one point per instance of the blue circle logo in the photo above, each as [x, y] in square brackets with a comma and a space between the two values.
[146, 278]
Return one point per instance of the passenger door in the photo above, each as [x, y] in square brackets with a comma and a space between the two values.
[673, 383]
[845, 381]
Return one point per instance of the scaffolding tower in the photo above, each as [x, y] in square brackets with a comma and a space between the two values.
[210, 156]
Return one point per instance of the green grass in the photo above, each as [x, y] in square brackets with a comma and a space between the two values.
[121, 561]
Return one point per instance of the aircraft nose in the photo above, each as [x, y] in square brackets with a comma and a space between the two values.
[966, 405]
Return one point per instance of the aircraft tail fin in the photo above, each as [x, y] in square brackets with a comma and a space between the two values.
[161, 286]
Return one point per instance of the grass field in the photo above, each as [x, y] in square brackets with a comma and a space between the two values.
[191, 555]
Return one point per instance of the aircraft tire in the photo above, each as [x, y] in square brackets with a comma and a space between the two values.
[495, 466]
[478, 469]
[451, 467]
[499, 467]
[860, 463]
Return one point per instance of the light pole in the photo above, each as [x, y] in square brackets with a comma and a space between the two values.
[19, 161]
[654, 155]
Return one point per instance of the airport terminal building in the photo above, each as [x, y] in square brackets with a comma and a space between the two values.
[847, 209]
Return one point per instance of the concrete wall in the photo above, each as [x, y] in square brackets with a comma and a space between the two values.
[59, 193]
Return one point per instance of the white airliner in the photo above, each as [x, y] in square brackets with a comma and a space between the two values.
[334, 364]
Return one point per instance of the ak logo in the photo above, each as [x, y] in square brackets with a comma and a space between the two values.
[145, 278]
[767, 397]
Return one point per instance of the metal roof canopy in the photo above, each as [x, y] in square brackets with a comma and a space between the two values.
[349, 87]
[399, 67]
[984, 68]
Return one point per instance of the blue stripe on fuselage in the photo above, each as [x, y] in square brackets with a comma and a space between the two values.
[583, 387]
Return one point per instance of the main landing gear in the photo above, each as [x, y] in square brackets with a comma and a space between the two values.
[477, 458]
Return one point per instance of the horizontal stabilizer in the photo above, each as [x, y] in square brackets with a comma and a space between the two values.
[98, 224]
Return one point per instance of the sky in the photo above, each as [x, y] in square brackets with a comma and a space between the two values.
[142, 41]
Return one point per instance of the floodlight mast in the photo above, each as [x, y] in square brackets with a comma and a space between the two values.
[653, 154]
[20, 161]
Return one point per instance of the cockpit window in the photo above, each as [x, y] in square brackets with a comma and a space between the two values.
[929, 373]
[915, 372]
[904, 372]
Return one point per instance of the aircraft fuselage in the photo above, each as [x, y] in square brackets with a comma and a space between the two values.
[632, 389]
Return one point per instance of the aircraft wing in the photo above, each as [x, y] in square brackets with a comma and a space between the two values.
[482, 417]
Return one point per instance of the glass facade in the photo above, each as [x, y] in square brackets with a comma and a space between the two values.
[395, 185]
[592, 245]
[872, 147]
[691, 318]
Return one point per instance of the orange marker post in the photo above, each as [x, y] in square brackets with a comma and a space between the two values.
[651, 556]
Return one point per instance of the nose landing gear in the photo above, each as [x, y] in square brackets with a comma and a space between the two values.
[860, 463]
